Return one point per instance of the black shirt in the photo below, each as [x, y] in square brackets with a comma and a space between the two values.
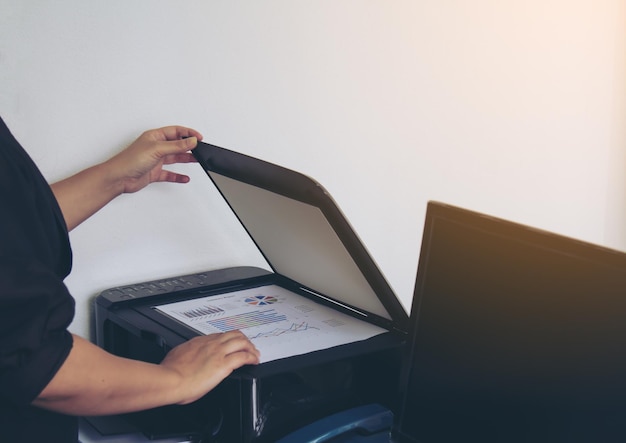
[35, 305]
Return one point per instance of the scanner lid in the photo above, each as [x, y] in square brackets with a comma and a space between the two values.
[302, 233]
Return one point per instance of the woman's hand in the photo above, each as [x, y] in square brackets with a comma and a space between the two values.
[203, 362]
[142, 162]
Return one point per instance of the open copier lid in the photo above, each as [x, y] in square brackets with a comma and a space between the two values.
[302, 233]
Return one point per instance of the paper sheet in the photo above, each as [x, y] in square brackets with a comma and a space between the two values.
[279, 322]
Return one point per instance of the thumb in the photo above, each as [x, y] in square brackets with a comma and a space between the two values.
[178, 146]
[190, 142]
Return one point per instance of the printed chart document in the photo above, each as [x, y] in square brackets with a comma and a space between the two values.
[279, 322]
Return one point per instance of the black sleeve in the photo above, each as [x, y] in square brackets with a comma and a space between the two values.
[35, 256]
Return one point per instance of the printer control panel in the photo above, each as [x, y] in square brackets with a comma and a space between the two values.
[197, 281]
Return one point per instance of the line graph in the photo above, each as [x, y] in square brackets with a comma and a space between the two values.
[304, 326]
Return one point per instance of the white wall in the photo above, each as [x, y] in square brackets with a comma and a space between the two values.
[513, 108]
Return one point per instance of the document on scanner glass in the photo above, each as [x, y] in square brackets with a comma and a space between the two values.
[279, 322]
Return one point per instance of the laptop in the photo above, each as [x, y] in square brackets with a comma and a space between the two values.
[516, 335]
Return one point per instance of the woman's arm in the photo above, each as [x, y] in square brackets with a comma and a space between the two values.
[83, 194]
[93, 382]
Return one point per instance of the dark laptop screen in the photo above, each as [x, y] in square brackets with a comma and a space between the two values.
[518, 335]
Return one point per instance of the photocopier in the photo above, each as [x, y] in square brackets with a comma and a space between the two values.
[329, 326]
[515, 334]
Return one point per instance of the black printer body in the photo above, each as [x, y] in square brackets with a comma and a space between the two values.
[314, 256]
